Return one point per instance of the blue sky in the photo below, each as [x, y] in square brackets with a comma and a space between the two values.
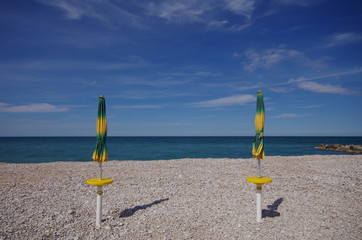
[180, 68]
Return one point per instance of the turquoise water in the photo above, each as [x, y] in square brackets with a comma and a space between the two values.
[52, 149]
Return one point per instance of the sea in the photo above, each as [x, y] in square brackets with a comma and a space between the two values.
[54, 149]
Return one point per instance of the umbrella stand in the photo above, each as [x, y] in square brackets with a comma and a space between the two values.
[99, 206]
[99, 183]
[259, 181]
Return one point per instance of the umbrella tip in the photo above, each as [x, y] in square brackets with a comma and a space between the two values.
[259, 91]
[101, 96]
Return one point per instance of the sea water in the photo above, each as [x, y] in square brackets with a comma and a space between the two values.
[53, 149]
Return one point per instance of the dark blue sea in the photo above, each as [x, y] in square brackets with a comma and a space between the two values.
[53, 149]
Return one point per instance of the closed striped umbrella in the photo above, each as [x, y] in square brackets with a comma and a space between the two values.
[100, 153]
[258, 153]
[258, 143]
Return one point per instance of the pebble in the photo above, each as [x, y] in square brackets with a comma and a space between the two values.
[71, 212]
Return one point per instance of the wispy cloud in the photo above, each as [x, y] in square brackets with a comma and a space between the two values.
[286, 115]
[241, 7]
[235, 100]
[208, 12]
[314, 106]
[331, 75]
[33, 108]
[280, 89]
[208, 74]
[217, 24]
[290, 115]
[109, 12]
[127, 63]
[179, 11]
[127, 107]
[72, 9]
[267, 58]
[343, 38]
[239, 27]
[309, 83]
[325, 88]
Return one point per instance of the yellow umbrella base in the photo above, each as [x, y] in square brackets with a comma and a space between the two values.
[99, 182]
[259, 180]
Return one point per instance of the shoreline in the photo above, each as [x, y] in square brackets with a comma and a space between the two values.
[339, 153]
[204, 198]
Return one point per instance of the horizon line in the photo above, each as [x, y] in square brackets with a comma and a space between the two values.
[187, 136]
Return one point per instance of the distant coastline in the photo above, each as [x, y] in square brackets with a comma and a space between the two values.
[351, 148]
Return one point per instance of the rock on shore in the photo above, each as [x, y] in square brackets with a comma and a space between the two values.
[311, 197]
[343, 148]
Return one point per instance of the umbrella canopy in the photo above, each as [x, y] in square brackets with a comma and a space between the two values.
[258, 143]
[100, 153]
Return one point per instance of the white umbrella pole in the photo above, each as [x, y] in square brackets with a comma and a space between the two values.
[99, 199]
[99, 206]
[259, 168]
[258, 203]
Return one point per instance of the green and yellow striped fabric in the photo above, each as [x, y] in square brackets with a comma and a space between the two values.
[258, 143]
[100, 153]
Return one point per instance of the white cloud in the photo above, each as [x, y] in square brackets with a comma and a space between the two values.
[235, 100]
[206, 12]
[241, 7]
[127, 63]
[280, 89]
[331, 75]
[344, 38]
[207, 74]
[179, 11]
[137, 13]
[238, 28]
[108, 12]
[267, 58]
[75, 10]
[325, 88]
[217, 23]
[71, 9]
[125, 107]
[39, 107]
[309, 84]
[314, 106]
[287, 115]
[290, 115]
[248, 86]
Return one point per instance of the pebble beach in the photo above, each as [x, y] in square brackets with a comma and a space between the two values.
[311, 197]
